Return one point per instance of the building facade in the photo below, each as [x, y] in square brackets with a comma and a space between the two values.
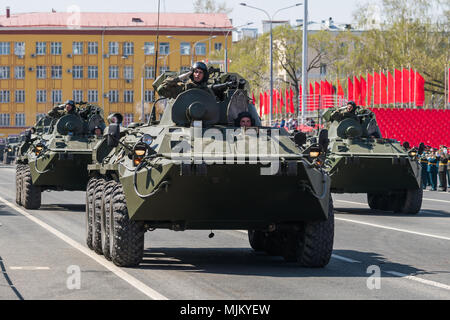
[107, 59]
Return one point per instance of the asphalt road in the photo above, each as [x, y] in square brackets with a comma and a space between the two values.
[377, 255]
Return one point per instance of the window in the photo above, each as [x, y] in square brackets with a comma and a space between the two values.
[41, 48]
[19, 72]
[77, 72]
[4, 96]
[41, 72]
[77, 48]
[149, 72]
[113, 72]
[113, 48]
[4, 48]
[93, 48]
[217, 46]
[41, 96]
[128, 48]
[164, 48]
[56, 96]
[163, 69]
[149, 96]
[56, 72]
[20, 119]
[128, 73]
[56, 48]
[185, 48]
[20, 96]
[149, 48]
[4, 72]
[92, 72]
[200, 49]
[113, 96]
[128, 96]
[127, 119]
[5, 119]
[92, 96]
[77, 95]
[19, 48]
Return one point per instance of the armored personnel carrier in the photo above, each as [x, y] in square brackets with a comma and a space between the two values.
[360, 160]
[197, 169]
[9, 151]
[56, 154]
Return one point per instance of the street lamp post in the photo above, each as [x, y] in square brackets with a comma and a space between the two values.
[271, 50]
[304, 63]
[193, 47]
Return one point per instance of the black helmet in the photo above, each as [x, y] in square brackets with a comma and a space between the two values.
[204, 68]
[241, 115]
[352, 103]
[70, 102]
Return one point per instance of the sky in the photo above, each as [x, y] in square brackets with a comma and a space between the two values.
[340, 10]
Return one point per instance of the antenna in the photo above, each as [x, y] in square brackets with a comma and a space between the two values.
[153, 114]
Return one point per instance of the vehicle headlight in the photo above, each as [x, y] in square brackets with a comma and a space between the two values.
[314, 153]
[139, 153]
[412, 153]
[38, 149]
[147, 139]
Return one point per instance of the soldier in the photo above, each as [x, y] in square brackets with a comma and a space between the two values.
[442, 170]
[350, 112]
[57, 112]
[198, 78]
[432, 169]
[244, 119]
[424, 164]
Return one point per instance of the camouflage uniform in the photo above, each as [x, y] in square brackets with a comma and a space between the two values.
[173, 86]
[339, 116]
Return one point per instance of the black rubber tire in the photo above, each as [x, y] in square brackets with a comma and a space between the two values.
[380, 201]
[19, 169]
[31, 195]
[256, 239]
[412, 201]
[105, 218]
[96, 216]
[126, 236]
[273, 243]
[312, 245]
[89, 211]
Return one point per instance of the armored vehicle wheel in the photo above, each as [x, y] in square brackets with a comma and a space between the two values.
[126, 236]
[411, 201]
[312, 245]
[96, 216]
[105, 218]
[379, 201]
[89, 210]
[31, 195]
[19, 170]
[256, 239]
[273, 243]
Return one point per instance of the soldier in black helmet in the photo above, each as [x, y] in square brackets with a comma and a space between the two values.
[198, 78]
[350, 112]
[67, 108]
[244, 119]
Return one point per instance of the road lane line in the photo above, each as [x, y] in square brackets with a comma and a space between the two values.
[344, 259]
[149, 292]
[395, 229]
[351, 202]
[437, 200]
[29, 268]
[427, 282]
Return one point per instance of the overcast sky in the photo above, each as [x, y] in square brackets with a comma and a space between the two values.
[339, 10]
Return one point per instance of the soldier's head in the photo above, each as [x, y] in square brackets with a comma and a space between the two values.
[98, 131]
[351, 106]
[70, 106]
[244, 119]
[199, 73]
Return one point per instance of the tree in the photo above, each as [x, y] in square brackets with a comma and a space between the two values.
[210, 6]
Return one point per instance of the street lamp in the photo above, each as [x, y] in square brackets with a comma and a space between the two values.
[226, 41]
[271, 49]
[193, 47]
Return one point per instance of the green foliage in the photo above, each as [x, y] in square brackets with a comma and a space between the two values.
[210, 6]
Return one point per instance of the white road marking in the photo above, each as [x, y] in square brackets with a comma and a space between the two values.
[29, 268]
[437, 200]
[351, 202]
[344, 259]
[395, 229]
[149, 292]
[427, 282]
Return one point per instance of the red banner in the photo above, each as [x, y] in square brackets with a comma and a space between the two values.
[398, 86]
[350, 93]
[383, 88]
[420, 90]
[376, 88]
[363, 91]
[261, 104]
[369, 89]
[405, 85]
[390, 88]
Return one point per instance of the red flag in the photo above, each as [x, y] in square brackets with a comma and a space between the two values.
[398, 85]
[317, 95]
[266, 103]
[369, 89]
[357, 89]
[310, 97]
[253, 99]
[390, 88]
[420, 89]
[412, 85]
[340, 90]
[350, 95]
[261, 104]
[448, 85]
[405, 96]
[291, 98]
[376, 88]
[282, 102]
[383, 88]
[363, 91]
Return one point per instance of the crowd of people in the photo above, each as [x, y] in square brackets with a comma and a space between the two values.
[435, 165]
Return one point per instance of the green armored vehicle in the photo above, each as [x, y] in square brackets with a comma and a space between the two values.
[197, 169]
[11, 146]
[360, 160]
[56, 155]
